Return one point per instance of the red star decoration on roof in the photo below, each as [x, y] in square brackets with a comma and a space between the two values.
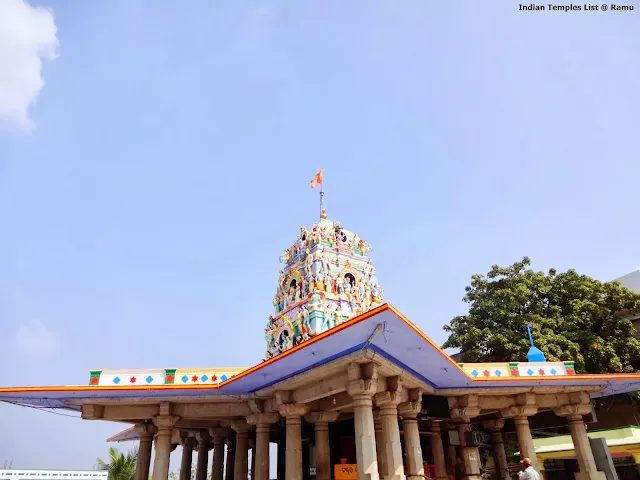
[514, 372]
[94, 380]
[570, 371]
[541, 372]
[194, 378]
[170, 378]
[486, 373]
[132, 380]
[214, 378]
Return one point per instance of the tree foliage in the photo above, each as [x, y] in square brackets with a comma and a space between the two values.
[574, 317]
[120, 466]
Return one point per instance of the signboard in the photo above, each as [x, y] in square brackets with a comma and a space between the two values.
[345, 471]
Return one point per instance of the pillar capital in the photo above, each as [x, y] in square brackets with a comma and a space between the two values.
[363, 380]
[145, 430]
[409, 409]
[241, 427]
[263, 418]
[362, 388]
[293, 410]
[494, 424]
[465, 413]
[165, 422]
[578, 409]
[218, 435]
[366, 371]
[322, 417]
[526, 406]
[188, 442]
[464, 407]
[388, 399]
[518, 411]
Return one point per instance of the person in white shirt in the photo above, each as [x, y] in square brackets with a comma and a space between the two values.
[527, 472]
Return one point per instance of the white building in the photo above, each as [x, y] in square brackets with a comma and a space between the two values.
[16, 474]
[632, 282]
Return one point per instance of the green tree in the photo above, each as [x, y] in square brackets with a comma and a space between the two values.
[120, 466]
[574, 317]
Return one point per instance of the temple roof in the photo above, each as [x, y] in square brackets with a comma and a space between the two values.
[382, 331]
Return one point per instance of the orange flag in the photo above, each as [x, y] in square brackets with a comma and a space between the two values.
[317, 180]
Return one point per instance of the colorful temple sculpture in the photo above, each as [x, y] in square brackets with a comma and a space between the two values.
[326, 280]
[350, 389]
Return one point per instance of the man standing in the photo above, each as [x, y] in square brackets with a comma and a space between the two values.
[527, 472]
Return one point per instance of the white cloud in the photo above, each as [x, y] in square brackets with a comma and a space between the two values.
[35, 338]
[27, 37]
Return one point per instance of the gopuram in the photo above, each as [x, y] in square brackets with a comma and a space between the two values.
[349, 389]
[327, 279]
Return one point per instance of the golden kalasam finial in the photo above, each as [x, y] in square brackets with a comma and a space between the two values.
[323, 214]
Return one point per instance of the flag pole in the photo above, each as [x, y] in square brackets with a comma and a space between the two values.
[321, 195]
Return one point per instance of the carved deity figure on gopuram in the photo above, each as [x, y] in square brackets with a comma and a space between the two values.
[326, 279]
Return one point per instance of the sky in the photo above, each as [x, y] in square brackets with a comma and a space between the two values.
[155, 160]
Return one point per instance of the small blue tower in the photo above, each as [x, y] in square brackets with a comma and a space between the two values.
[534, 354]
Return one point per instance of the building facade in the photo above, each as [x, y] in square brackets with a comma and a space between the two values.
[343, 372]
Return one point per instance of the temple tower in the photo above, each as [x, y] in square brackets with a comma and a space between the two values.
[327, 278]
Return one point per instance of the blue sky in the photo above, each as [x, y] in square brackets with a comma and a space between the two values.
[168, 159]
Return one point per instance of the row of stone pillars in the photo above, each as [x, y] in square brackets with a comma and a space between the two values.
[573, 407]
[577, 429]
[374, 458]
[217, 438]
[378, 445]
[377, 435]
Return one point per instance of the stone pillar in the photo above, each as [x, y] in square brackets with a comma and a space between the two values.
[204, 439]
[188, 443]
[217, 468]
[293, 412]
[231, 457]
[165, 424]
[494, 427]
[463, 409]
[470, 455]
[362, 386]
[321, 422]
[409, 412]
[525, 441]
[438, 451]
[145, 432]
[525, 407]
[380, 453]
[260, 464]
[452, 455]
[581, 446]
[388, 402]
[241, 466]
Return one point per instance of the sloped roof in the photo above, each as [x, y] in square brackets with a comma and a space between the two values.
[631, 281]
[399, 341]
